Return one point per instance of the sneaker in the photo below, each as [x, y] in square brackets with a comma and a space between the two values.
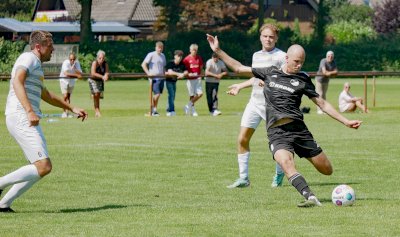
[240, 183]
[64, 115]
[6, 209]
[194, 113]
[320, 112]
[187, 109]
[169, 114]
[311, 202]
[155, 114]
[216, 113]
[277, 180]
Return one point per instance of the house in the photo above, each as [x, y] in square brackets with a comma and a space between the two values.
[140, 14]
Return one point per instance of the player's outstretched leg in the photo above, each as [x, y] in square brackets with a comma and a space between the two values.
[243, 180]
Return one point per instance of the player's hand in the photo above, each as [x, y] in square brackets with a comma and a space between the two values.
[261, 83]
[33, 119]
[233, 89]
[80, 112]
[354, 124]
[213, 41]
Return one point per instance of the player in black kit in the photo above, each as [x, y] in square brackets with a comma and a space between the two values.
[287, 132]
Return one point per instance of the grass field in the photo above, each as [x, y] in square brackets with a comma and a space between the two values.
[130, 175]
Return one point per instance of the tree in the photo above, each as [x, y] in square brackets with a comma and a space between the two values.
[319, 31]
[171, 9]
[260, 14]
[21, 10]
[387, 17]
[86, 33]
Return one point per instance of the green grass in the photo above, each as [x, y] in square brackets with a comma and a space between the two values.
[130, 175]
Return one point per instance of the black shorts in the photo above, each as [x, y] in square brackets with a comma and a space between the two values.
[295, 138]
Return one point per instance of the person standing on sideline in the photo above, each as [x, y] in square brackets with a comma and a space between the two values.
[254, 112]
[348, 102]
[286, 130]
[194, 64]
[71, 69]
[175, 70]
[99, 73]
[327, 69]
[215, 70]
[23, 115]
[154, 65]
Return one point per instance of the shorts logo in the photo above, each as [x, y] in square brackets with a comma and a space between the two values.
[39, 154]
[274, 76]
[294, 82]
[271, 147]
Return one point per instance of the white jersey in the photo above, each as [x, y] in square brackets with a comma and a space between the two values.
[33, 84]
[67, 67]
[275, 57]
[345, 100]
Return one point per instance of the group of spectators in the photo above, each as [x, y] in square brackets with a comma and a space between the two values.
[191, 68]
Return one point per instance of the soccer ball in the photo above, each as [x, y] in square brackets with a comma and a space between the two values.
[343, 195]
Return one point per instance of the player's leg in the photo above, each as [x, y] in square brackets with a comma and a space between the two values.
[33, 144]
[191, 91]
[198, 94]
[171, 96]
[321, 163]
[64, 92]
[360, 105]
[215, 99]
[96, 104]
[250, 121]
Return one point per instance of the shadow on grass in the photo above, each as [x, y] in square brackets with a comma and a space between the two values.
[93, 209]
[331, 184]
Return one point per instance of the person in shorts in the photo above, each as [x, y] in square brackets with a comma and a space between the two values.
[194, 64]
[23, 114]
[154, 65]
[99, 73]
[287, 133]
[70, 70]
[349, 102]
[254, 112]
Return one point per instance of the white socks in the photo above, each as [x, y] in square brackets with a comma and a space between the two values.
[243, 160]
[22, 179]
[25, 173]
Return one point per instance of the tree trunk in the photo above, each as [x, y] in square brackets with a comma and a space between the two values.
[260, 14]
[86, 34]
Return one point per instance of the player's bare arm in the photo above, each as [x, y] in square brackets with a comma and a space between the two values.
[232, 63]
[54, 100]
[19, 88]
[235, 88]
[331, 111]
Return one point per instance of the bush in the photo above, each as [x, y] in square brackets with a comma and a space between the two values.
[10, 52]
[349, 31]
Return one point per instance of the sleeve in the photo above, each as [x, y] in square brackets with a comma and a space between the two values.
[147, 59]
[309, 89]
[208, 63]
[25, 62]
[261, 73]
[223, 66]
[78, 66]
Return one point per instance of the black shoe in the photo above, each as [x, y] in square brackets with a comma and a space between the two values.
[1, 190]
[6, 209]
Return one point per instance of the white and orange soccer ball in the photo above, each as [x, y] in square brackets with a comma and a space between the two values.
[343, 195]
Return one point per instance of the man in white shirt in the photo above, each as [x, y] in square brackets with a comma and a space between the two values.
[348, 102]
[70, 70]
[215, 70]
[23, 115]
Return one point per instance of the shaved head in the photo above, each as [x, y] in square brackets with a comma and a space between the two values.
[295, 57]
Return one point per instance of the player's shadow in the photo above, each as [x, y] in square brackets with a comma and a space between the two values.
[92, 209]
[331, 184]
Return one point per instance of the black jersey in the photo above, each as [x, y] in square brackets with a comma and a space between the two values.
[283, 93]
[176, 68]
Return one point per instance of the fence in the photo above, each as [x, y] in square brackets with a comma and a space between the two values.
[352, 74]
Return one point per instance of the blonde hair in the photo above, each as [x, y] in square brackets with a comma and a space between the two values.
[194, 46]
[272, 27]
[39, 37]
[159, 43]
[101, 52]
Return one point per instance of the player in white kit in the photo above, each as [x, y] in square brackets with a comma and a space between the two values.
[255, 109]
[23, 115]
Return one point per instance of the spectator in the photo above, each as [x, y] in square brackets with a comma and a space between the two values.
[348, 102]
[215, 70]
[175, 70]
[194, 64]
[71, 69]
[99, 73]
[154, 65]
[327, 69]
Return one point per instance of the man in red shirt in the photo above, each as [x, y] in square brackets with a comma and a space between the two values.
[194, 65]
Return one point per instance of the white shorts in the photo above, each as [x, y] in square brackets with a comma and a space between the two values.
[30, 139]
[66, 87]
[252, 116]
[194, 87]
